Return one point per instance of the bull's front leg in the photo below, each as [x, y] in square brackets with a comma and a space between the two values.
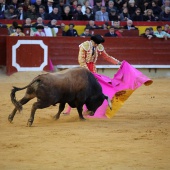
[80, 110]
[61, 108]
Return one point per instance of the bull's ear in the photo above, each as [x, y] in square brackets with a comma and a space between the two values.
[109, 102]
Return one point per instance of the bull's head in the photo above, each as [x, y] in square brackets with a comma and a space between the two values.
[94, 102]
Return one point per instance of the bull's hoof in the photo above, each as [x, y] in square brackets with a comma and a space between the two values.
[29, 123]
[82, 119]
[10, 118]
[55, 117]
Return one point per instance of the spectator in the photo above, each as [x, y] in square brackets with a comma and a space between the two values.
[137, 16]
[39, 22]
[88, 15]
[21, 15]
[39, 32]
[3, 7]
[111, 32]
[151, 31]
[18, 32]
[147, 34]
[161, 34]
[71, 31]
[61, 7]
[167, 28]
[27, 23]
[145, 5]
[67, 14]
[165, 15]
[116, 24]
[37, 4]
[156, 10]
[124, 16]
[118, 28]
[86, 33]
[15, 3]
[102, 15]
[26, 5]
[42, 13]
[53, 24]
[113, 15]
[111, 6]
[122, 6]
[86, 5]
[73, 6]
[12, 28]
[77, 14]
[10, 13]
[166, 4]
[49, 6]
[31, 13]
[98, 6]
[91, 25]
[132, 7]
[129, 25]
[54, 14]
[62, 26]
[149, 15]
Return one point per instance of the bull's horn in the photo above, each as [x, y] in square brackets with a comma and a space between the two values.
[109, 103]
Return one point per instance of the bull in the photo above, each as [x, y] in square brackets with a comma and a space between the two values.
[76, 86]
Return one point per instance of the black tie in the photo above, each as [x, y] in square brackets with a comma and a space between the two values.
[93, 51]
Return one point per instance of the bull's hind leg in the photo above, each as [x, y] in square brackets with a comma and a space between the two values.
[35, 106]
[80, 110]
[23, 101]
[61, 108]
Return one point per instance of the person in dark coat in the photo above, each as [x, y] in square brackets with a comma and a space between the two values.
[111, 32]
[71, 31]
[67, 14]
[149, 16]
[54, 14]
[137, 16]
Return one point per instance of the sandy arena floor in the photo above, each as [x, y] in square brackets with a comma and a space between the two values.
[137, 138]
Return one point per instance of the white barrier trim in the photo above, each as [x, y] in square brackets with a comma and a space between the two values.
[115, 66]
[31, 42]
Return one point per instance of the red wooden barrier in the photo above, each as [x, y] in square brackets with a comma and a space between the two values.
[27, 54]
[24, 53]
[135, 50]
[3, 50]
[3, 31]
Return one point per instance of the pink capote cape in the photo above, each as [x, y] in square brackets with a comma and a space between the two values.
[119, 88]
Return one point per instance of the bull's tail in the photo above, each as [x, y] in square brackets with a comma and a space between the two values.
[16, 103]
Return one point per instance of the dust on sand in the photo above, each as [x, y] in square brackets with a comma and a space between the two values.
[137, 137]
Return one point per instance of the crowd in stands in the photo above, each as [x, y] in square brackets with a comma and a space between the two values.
[96, 10]
[84, 10]
[39, 28]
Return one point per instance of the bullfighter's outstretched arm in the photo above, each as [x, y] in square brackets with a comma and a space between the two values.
[107, 57]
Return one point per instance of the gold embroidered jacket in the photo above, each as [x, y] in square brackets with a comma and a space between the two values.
[85, 54]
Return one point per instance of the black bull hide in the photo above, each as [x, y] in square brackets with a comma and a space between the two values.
[76, 86]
